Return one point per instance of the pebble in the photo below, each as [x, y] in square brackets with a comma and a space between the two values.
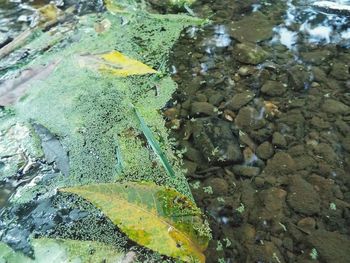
[249, 53]
[281, 163]
[265, 150]
[239, 100]
[334, 107]
[278, 140]
[248, 118]
[246, 171]
[202, 108]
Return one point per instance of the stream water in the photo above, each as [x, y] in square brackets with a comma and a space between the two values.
[263, 112]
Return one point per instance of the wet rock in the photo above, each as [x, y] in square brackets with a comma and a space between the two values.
[326, 152]
[239, 100]
[340, 71]
[265, 150]
[247, 171]
[331, 246]
[249, 119]
[215, 139]
[346, 143]
[273, 88]
[273, 200]
[278, 140]
[281, 163]
[299, 77]
[335, 107]
[246, 71]
[216, 99]
[302, 197]
[202, 108]
[252, 28]
[249, 53]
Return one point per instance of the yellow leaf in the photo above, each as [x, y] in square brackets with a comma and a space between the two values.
[115, 63]
[121, 65]
[156, 217]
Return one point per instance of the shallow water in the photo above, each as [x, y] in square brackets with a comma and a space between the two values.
[263, 111]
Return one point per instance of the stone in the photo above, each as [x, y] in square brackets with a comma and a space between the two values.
[246, 171]
[335, 107]
[281, 163]
[340, 71]
[252, 28]
[331, 246]
[278, 140]
[346, 143]
[239, 100]
[249, 119]
[299, 77]
[302, 196]
[265, 150]
[202, 108]
[273, 88]
[248, 53]
[216, 141]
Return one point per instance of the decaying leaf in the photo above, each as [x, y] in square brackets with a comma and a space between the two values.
[154, 216]
[115, 63]
[154, 144]
[12, 89]
[60, 250]
[113, 7]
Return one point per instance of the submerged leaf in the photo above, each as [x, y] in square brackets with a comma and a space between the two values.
[154, 216]
[115, 63]
[154, 144]
[12, 89]
[60, 250]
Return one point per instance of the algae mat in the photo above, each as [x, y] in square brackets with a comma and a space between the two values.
[80, 122]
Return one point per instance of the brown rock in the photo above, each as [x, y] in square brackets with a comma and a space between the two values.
[265, 150]
[302, 197]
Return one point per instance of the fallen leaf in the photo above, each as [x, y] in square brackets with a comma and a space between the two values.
[154, 216]
[13, 89]
[115, 63]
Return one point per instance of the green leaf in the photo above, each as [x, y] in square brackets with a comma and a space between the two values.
[154, 216]
[60, 250]
[154, 143]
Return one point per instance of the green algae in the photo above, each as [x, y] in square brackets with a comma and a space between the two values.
[90, 112]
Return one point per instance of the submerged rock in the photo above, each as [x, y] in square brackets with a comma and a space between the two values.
[335, 107]
[239, 100]
[253, 28]
[273, 88]
[302, 197]
[248, 119]
[340, 71]
[331, 246]
[215, 139]
[249, 53]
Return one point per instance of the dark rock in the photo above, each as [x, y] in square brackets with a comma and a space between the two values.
[252, 28]
[214, 138]
[278, 140]
[239, 100]
[202, 108]
[331, 246]
[247, 171]
[273, 88]
[335, 107]
[249, 53]
[265, 150]
[302, 197]
[249, 119]
[340, 71]
[216, 99]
